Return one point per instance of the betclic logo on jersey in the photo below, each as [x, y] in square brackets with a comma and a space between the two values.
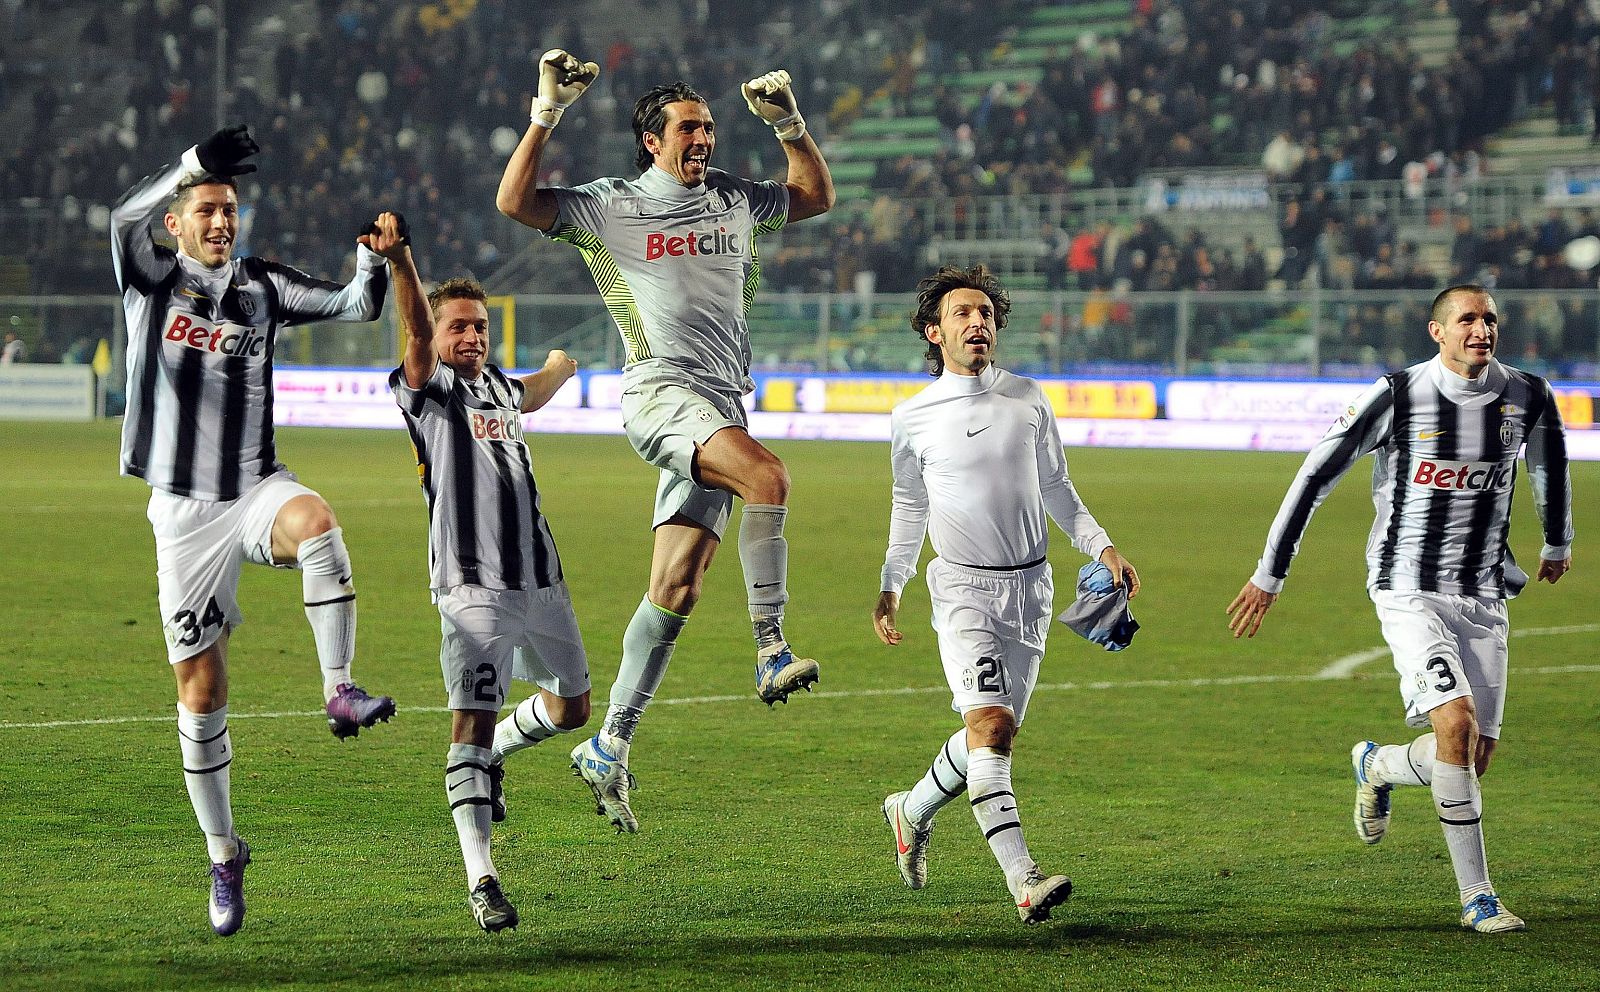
[1469, 477]
[231, 340]
[719, 242]
[496, 425]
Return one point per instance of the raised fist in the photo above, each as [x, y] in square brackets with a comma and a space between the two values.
[562, 79]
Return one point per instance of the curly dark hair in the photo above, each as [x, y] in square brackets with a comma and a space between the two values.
[930, 296]
[459, 288]
[650, 116]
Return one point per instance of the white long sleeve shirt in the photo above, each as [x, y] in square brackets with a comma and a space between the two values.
[978, 465]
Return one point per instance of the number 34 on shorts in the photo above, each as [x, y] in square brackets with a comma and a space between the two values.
[184, 628]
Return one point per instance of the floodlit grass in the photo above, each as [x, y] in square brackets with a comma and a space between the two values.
[1206, 825]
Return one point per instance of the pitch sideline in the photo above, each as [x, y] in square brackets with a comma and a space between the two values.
[1340, 668]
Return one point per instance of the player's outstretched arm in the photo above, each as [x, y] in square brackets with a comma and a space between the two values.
[883, 616]
[562, 79]
[1122, 570]
[390, 237]
[771, 98]
[543, 384]
[1248, 609]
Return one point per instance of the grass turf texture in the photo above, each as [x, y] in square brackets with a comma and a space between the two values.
[1206, 827]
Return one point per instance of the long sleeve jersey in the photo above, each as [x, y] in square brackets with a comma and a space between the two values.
[200, 346]
[1442, 480]
[978, 465]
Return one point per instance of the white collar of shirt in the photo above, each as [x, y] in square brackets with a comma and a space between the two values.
[215, 281]
[658, 182]
[1469, 392]
[970, 384]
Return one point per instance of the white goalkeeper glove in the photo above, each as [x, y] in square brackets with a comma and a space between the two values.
[562, 79]
[771, 99]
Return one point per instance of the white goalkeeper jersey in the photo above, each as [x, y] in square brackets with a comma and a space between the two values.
[1442, 480]
[200, 347]
[485, 527]
[676, 266]
[978, 465]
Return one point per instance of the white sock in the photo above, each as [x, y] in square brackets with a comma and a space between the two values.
[466, 782]
[330, 599]
[946, 779]
[207, 753]
[1404, 764]
[764, 553]
[527, 725]
[1460, 807]
[995, 807]
[647, 646]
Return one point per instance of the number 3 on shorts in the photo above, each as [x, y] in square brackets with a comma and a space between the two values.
[1447, 678]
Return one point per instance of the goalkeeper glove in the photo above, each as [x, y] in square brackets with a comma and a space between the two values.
[562, 79]
[771, 99]
[224, 153]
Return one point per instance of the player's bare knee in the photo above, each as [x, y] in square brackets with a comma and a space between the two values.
[773, 481]
[991, 726]
[1455, 725]
[305, 517]
[678, 596]
[567, 713]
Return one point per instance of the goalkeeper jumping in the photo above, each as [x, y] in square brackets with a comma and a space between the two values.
[673, 254]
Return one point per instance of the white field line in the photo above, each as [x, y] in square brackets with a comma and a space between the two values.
[1344, 667]
[855, 694]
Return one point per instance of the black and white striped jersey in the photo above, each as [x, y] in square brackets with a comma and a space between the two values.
[200, 347]
[1442, 481]
[484, 523]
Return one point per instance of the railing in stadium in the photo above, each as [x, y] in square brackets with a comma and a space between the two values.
[1320, 333]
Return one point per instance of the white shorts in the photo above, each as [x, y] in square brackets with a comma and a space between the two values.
[667, 417]
[493, 635]
[200, 545]
[992, 628]
[1446, 647]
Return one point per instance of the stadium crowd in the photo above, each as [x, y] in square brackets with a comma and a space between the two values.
[414, 107]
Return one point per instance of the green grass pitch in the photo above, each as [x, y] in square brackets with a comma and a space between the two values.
[1205, 822]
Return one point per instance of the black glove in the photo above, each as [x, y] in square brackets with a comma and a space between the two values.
[224, 153]
[400, 222]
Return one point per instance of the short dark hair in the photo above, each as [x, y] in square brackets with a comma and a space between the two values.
[1439, 310]
[650, 115]
[459, 288]
[932, 291]
[180, 199]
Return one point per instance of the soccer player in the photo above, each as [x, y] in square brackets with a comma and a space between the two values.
[496, 577]
[201, 330]
[674, 256]
[1446, 433]
[978, 465]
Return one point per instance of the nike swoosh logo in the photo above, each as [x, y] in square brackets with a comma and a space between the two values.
[1007, 809]
[1450, 805]
[459, 784]
[345, 580]
[1024, 904]
[899, 842]
[765, 585]
[979, 430]
[1429, 435]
